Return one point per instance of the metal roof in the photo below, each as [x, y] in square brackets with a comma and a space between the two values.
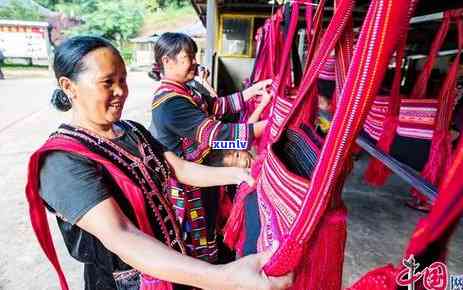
[265, 6]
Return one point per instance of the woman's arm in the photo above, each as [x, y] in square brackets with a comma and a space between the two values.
[194, 174]
[181, 118]
[107, 223]
[260, 108]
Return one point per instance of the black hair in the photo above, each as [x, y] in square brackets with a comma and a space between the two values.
[68, 63]
[170, 44]
[326, 88]
[216, 158]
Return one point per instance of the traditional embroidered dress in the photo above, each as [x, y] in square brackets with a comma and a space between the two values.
[140, 184]
[187, 122]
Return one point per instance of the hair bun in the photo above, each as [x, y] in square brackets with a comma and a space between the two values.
[155, 72]
[60, 100]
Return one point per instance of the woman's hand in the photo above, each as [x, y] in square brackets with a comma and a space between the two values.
[242, 175]
[259, 88]
[246, 274]
[199, 175]
[265, 100]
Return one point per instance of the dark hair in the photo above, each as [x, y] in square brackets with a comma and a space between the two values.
[170, 44]
[326, 88]
[216, 158]
[68, 63]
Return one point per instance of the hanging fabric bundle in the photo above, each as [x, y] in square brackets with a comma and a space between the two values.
[307, 216]
[441, 146]
[376, 172]
[430, 239]
[396, 123]
[234, 232]
[267, 55]
[304, 212]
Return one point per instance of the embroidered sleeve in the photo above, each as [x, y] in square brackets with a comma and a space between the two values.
[211, 130]
[230, 104]
[185, 120]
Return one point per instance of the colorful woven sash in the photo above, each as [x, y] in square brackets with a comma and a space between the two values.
[436, 228]
[130, 190]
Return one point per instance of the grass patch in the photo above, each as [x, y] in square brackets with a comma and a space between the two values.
[23, 67]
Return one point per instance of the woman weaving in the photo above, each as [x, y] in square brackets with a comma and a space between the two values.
[187, 122]
[106, 179]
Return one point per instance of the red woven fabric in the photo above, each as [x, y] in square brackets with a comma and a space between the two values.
[377, 39]
[376, 172]
[416, 118]
[441, 148]
[37, 208]
[234, 230]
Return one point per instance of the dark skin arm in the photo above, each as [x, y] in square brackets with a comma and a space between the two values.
[107, 222]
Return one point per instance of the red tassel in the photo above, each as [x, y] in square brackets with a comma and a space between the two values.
[377, 173]
[225, 208]
[149, 283]
[439, 158]
[234, 230]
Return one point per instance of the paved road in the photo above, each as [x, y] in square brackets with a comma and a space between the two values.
[379, 224]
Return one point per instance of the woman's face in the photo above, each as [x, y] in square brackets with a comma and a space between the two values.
[182, 68]
[101, 89]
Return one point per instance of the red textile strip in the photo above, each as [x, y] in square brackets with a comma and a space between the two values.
[441, 148]
[234, 230]
[378, 37]
[376, 172]
[419, 90]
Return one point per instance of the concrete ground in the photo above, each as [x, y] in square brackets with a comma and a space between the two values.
[379, 223]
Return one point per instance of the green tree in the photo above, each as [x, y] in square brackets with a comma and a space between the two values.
[152, 5]
[15, 10]
[115, 20]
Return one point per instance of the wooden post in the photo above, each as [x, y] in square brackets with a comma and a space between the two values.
[211, 24]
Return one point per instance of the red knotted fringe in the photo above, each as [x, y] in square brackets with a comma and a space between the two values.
[377, 173]
[377, 279]
[439, 160]
[148, 283]
[235, 230]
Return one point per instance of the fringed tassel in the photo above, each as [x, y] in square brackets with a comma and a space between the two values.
[377, 173]
[225, 208]
[149, 283]
[439, 159]
[383, 278]
[235, 230]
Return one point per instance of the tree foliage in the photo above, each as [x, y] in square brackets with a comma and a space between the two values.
[15, 10]
[117, 20]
